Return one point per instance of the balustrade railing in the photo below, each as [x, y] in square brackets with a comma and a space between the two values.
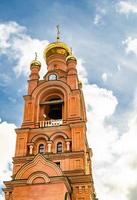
[49, 123]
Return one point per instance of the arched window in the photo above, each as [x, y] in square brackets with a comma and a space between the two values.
[41, 148]
[59, 147]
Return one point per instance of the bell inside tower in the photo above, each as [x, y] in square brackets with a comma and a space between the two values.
[55, 109]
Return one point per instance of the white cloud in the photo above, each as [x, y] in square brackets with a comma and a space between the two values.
[102, 101]
[4, 79]
[104, 77]
[97, 19]
[102, 10]
[114, 153]
[7, 146]
[100, 13]
[82, 74]
[126, 7]
[6, 31]
[118, 67]
[131, 45]
[20, 47]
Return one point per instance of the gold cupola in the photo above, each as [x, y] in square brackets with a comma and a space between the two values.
[35, 66]
[35, 63]
[71, 57]
[56, 50]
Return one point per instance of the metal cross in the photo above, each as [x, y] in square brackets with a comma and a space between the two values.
[36, 55]
[71, 50]
[58, 32]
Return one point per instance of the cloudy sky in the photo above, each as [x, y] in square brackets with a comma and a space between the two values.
[103, 35]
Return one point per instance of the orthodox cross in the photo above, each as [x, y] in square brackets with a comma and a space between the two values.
[58, 33]
[36, 55]
[71, 50]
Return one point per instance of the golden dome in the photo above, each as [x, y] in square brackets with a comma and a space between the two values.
[57, 48]
[71, 57]
[35, 63]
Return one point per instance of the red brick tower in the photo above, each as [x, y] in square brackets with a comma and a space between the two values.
[52, 159]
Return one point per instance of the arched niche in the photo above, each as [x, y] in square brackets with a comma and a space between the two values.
[38, 177]
[37, 140]
[51, 105]
[58, 140]
[47, 89]
[57, 134]
[37, 137]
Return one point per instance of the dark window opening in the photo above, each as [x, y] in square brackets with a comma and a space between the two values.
[41, 148]
[57, 163]
[55, 109]
[51, 108]
[59, 147]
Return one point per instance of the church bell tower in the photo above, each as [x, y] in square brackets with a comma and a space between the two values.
[52, 159]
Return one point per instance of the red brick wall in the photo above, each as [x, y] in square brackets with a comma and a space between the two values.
[48, 191]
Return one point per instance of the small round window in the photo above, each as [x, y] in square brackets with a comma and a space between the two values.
[52, 77]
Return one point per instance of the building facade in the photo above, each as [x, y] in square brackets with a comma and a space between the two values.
[52, 159]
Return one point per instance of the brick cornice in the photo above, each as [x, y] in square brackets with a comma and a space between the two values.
[51, 156]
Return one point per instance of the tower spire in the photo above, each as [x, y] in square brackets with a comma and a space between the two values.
[36, 55]
[58, 33]
[71, 50]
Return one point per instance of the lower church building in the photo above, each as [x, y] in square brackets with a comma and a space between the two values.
[52, 158]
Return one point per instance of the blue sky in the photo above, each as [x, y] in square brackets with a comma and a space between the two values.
[103, 36]
[96, 43]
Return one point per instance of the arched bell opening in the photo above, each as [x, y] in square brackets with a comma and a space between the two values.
[52, 108]
[55, 108]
